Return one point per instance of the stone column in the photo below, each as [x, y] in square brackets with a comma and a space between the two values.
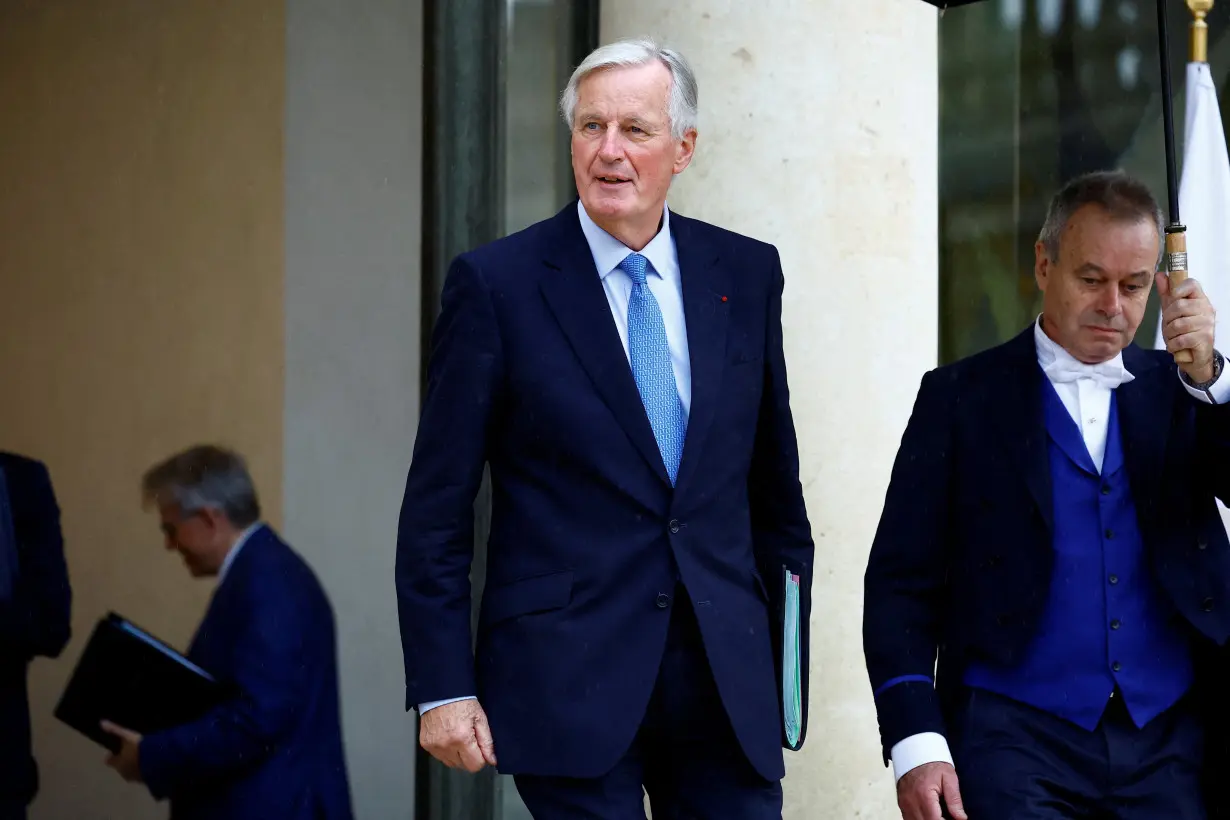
[818, 133]
[352, 181]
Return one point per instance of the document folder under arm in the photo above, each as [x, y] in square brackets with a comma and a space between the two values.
[127, 676]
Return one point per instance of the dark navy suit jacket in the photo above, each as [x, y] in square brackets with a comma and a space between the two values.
[276, 750]
[36, 621]
[961, 562]
[528, 375]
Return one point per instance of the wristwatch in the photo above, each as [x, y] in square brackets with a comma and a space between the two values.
[1218, 363]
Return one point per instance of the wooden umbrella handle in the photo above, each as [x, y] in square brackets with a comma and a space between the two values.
[1176, 268]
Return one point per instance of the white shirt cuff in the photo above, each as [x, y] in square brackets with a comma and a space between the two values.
[424, 708]
[918, 750]
[1219, 390]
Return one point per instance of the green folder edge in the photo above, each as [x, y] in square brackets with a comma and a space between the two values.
[792, 683]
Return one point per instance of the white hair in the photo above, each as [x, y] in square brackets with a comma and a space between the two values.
[681, 107]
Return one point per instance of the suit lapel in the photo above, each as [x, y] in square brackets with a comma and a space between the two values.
[705, 282]
[1062, 430]
[574, 293]
[1018, 409]
[1144, 406]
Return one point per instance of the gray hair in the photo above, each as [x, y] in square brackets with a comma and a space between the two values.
[1123, 197]
[682, 108]
[203, 477]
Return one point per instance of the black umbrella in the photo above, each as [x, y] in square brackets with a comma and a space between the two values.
[1176, 233]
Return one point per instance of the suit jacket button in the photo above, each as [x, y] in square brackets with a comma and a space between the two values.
[664, 600]
[1202, 543]
[674, 525]
[1207, 604]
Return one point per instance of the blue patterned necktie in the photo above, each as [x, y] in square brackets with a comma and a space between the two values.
[651, 365]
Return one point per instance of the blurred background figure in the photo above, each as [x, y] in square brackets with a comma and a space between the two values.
[35, 609]
[275, 750]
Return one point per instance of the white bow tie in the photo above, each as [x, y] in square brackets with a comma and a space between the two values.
[1107, 374]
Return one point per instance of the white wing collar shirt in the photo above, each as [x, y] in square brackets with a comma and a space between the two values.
[1085, 389]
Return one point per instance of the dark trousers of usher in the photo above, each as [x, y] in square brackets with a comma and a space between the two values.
[1016, 762]
[685, 756]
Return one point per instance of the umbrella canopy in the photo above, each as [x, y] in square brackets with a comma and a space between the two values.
[1176, 240]
[1172, 185]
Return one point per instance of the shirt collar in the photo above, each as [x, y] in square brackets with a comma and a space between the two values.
[608, 251]
[1052, 356]
[238, 545]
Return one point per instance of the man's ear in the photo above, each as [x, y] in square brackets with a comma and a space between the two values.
[213, 517]
[1042, 265]
[685, 149]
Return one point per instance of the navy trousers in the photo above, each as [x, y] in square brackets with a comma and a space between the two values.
[1016, 762]
[685, 756]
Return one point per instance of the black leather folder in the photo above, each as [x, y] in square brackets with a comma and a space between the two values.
[129, 677]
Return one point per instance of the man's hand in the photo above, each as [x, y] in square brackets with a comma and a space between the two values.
[1188, 320]
[919, 792]
[457, 735]
[127, 761]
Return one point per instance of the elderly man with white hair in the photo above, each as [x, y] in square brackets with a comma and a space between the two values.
[620, 369]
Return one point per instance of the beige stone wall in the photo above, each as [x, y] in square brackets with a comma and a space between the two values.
[819, 133]
[140, 299]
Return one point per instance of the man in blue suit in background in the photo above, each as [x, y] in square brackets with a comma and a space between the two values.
[620, 368]
[275, 750]
[1051, 535]
[35, 610]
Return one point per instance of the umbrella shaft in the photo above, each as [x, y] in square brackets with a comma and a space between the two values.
[1163, 46]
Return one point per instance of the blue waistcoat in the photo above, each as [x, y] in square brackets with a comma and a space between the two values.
[1106, 623]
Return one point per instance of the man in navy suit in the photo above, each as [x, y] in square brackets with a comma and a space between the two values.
[620, 369]
[1050, 534]
[35, 614]
[275, 749]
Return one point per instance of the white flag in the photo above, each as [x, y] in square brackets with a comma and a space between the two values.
[1204, 203]
[1204, 198]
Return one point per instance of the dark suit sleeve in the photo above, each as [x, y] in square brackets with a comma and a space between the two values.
[781, 533]
[270, 662]
[1213, 445]
[36, 621]
[905, 578]
[435, 539]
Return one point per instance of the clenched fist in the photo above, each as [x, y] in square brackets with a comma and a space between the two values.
[457, 735]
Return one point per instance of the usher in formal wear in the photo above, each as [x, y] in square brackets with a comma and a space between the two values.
[1051, 531]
